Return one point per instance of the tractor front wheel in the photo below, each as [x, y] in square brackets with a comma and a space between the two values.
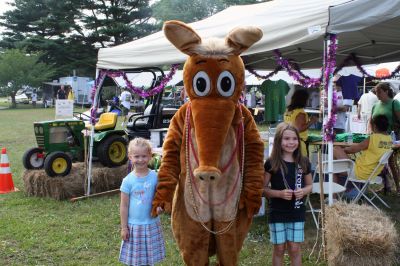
[33, 158]
[57, 164]
[112, 151]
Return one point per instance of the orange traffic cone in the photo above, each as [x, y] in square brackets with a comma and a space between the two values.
[6, 182]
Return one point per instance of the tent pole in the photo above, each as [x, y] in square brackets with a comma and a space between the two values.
[330, 142]
[94, 105]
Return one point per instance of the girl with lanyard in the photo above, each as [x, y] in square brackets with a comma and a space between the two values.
[287, 181]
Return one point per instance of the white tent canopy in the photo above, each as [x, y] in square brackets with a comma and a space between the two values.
[368, 28]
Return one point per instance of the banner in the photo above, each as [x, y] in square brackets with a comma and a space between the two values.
[358, 125]
[64, 109]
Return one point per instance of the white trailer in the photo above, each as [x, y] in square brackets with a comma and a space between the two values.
[81, 87]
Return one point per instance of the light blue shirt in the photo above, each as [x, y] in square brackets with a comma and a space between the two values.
[141, 193]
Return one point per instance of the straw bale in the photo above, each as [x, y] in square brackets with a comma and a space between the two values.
[359, 235]
[38, 183]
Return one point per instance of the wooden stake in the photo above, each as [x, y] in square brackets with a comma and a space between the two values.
[109, 192]
[322, 202]
[85, 158]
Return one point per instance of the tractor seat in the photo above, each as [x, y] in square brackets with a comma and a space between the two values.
[106, 121]
[140, 120]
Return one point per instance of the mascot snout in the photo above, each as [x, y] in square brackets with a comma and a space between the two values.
[207, 173]
[213, 119]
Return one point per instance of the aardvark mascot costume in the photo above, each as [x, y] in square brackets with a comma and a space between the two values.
[211, 173]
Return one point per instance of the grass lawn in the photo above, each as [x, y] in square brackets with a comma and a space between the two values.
[43, 231]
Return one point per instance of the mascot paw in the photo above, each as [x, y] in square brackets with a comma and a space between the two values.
[252, 211]
[165, 206]
[252, 208]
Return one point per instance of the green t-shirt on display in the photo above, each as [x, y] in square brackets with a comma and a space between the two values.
[275, 104]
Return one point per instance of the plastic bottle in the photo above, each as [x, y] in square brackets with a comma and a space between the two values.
[393, 136]
[350, 137]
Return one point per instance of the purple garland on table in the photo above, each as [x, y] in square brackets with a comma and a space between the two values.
[136, 90]
[329, 68]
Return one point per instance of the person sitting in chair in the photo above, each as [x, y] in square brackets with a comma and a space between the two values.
[371, 149]
[125, 99]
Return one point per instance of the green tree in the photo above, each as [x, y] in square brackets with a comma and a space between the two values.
[17, 69]
[52, 28]
[185, 10]
[113, 22]
[68, 32]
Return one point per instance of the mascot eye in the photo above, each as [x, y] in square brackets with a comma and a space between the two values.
[226, 84]
[201, 83]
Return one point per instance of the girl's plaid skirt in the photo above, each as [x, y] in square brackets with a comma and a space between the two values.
[145, 245]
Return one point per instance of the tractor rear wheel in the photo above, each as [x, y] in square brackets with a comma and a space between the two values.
[112, 151]
[33, 158]
[57, 164]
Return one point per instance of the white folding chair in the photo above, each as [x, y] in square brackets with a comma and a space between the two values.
[339, 166]
[362, 186]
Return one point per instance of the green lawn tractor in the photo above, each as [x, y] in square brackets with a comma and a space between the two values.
[60, 142]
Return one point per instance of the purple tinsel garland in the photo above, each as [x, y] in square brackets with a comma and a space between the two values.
[268, 76]
[294, 71]
[329, 67]
[353, 57]
[136, 90]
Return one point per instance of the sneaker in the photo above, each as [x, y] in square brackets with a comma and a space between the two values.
[351, 194]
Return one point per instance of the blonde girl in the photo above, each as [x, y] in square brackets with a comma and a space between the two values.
[142, 238]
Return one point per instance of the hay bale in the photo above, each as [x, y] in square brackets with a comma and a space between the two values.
[359, 235]
[38, 183]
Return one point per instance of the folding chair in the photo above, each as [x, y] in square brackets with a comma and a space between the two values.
[339, 166]
[372, 179]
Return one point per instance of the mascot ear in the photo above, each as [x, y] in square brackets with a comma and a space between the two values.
[241, 38]
[182, 36]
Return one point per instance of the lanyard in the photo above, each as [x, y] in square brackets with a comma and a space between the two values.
[298, 175]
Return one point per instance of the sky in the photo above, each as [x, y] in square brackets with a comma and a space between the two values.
[4, 7]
